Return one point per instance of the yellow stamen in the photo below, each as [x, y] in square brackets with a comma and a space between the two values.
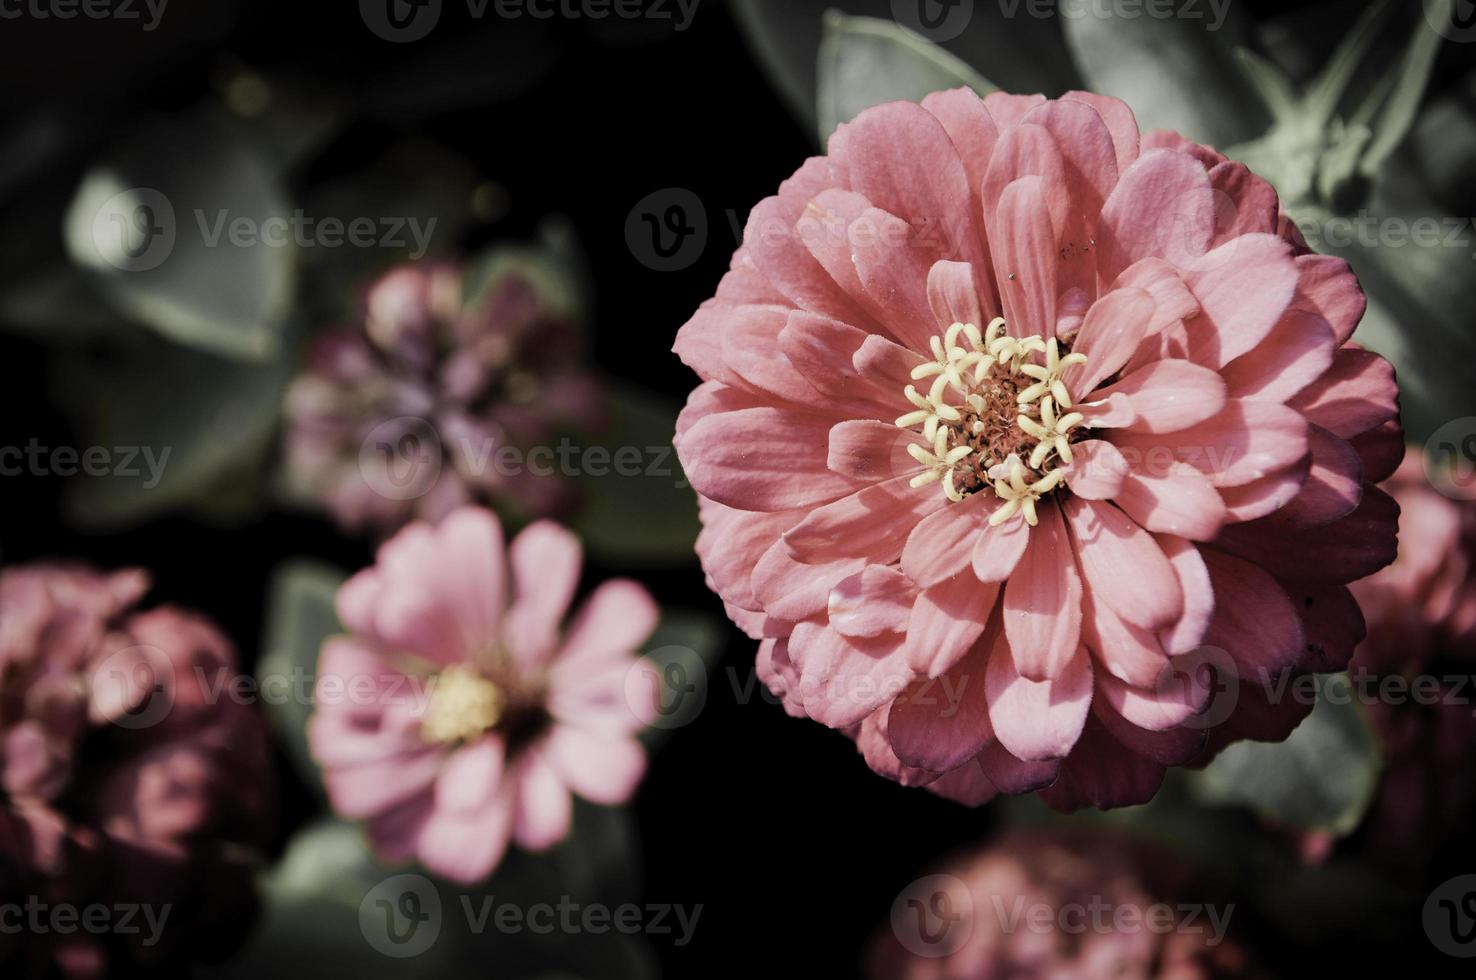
[463, 705]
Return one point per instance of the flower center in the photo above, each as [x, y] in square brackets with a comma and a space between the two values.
[463, 705]
[993, 416]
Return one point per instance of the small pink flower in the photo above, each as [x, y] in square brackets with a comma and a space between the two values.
[1004, 400]
[122, 779]
[1421, 614]
[458, 714]
[1068, 904]
[405, 414]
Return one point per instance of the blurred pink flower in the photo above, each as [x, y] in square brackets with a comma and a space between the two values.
[1063, 904]
[1421, 614]
[403, 415]
[122, 779]
[1000, 399]
[477, 714]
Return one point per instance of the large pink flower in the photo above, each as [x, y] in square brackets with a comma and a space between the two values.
[124, 780]
[1005, 412]
[454, 717]
[1070, 903]
[1421, 614]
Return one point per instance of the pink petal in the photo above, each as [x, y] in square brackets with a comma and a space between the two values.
[1127, 652]
[613, 622]
[1245, 204]
[471, 776]
[1120, 121]
[1244, 442]
[546, 561]
[946, 620]
[601, 769]
[751, 350]
[1297, 352]
[1334, 486]
[872, 523]
[1187, 632]
[1162, 207]
[954, 295]
[844, 679]
[1355, 395]
[1254, 620]
[876, 600]
[779, 252]
[1244, 287]
[1123, 564]
[1103, 773]
[545, 809]
[1024, 258]
[998, 550]
[1167, 396]
[941, 723]
[1343, 550]
[1012, 775]
[1042, 601]
[1180, 501]
[940, 547]
[893, 266]
[1181, 691]
[761, 459]
[1328, 288]
[885, 363]
[1037, 720]
[1113, 329]
[869, 451]
[1170, 747]
[795, 591]
[1097, 470]
[466, 847]
[823, 351]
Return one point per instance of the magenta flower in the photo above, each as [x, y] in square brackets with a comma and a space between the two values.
[1066, 903]
[476, 714]
[432, 400]
[1421, 614]
[1000, 400]
[122, 779]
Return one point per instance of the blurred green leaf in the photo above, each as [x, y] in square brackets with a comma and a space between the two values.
[1405, 87]
[865, 61]
[646, 517]
[1018, 53]
[1327, 91]
[156, 222]
[1322, 777]
[299, 617]
[192, 422]
[328, 901]
[1176, 73]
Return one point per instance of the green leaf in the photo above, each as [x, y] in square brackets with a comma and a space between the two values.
[646, 515]
[1405, 85]
[179, 227]
[1322, 777]
[299, 617]
[1175, 72]
[189, 422]
[1275, 89]
[1331, 84]
[865, 61]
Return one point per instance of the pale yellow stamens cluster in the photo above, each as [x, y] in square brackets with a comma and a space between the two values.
[990, 396]
[463, 705]
[1017, 493]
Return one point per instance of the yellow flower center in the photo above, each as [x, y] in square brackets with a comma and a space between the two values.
[463, 705]
[990, 417]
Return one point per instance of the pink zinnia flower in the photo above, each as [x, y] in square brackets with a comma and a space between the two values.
[1000, 399]
[1065, 903]
[122, 779]
[1421, 613]
[406, 413]
[477, 714]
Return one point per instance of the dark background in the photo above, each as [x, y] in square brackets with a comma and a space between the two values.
[775, 826]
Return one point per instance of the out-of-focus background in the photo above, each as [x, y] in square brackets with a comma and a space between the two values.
[627, 151]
